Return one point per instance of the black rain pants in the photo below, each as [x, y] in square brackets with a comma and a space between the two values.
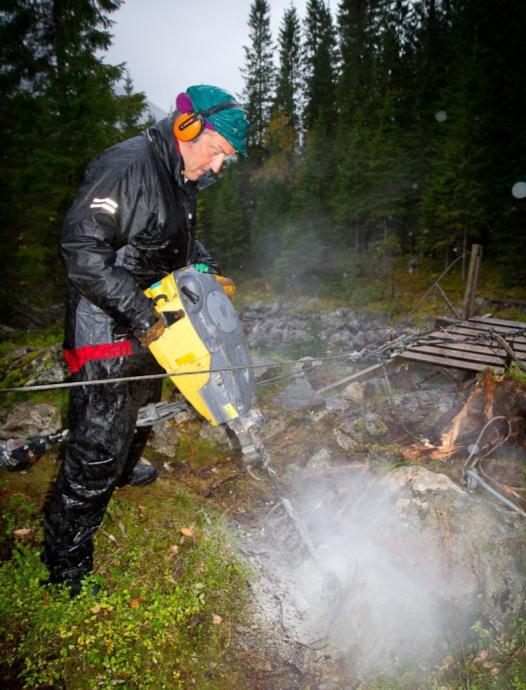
[102, 449]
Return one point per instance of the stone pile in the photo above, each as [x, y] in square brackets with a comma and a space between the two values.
[268, 325]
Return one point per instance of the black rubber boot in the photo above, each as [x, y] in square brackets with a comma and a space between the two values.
[143, 473]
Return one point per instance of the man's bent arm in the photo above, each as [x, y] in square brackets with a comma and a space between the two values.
[87, 249]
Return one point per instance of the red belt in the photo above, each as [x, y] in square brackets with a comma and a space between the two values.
[77, 357]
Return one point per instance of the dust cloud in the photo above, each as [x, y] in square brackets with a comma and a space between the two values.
[384, 592]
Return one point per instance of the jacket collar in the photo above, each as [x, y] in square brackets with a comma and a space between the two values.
[165, 147]
[161, 137]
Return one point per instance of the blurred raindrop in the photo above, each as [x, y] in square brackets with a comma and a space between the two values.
[441, 116]
[519, 190]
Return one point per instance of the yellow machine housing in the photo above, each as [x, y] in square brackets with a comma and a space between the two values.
[203, 344]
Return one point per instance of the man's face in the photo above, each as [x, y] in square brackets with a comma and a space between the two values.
[207, 152]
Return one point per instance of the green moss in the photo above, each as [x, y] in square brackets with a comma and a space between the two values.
[42, 338]
[172, 588]
[516, 372]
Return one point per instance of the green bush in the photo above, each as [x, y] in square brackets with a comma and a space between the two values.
[157, 621]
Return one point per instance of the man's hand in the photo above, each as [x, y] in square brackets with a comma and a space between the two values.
[148, 336]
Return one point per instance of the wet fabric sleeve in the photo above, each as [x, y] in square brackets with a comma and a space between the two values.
[201, 255]
[104, 214]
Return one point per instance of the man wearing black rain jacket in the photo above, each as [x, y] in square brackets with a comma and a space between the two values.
[131, 224]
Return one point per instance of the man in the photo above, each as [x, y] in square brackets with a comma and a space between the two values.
[132, 223]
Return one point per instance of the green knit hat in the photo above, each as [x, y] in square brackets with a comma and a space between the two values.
[231, 123]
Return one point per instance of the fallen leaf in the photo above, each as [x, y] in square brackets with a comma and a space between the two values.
[142, 509]
[134, 603]
[22, 533]
[187, 531]
[481, 656]
[95, 609]
[216, 620]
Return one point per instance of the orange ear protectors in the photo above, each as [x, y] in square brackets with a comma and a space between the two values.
[189, 126]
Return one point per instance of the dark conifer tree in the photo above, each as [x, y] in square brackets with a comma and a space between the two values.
[287, 101]
[259, 72]
[320, 65]
[357, 29]
[132, 106]
[59, 109]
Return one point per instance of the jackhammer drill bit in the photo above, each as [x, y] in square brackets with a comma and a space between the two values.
[255, 455]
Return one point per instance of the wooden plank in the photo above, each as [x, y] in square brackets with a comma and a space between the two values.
[451, 339]
[482, 322]
[499, 322]
[481, 326]
[467, 355]
[469, 331]
[446, 362]
[451, 347]
[461, 346]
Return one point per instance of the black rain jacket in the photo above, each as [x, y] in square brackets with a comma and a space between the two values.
[133, 222]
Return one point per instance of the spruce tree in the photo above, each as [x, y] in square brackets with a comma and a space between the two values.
[258, 72]
[58, 111]
[132, 106]
[287, 101]
[320, 66]
[357, 30]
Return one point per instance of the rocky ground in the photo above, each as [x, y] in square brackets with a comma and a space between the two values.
[403, 560]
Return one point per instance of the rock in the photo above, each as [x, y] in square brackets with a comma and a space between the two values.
[307, 363]
[49, 367]
[267, 372]
[336, 404]
[217, 434]
[419, 480]
[318, 415]
[345, 442]
[354, 392]
[483, 545]
[374, 425]
[163, 438]
[299, 395]
[275, 308]
[359, 341]
[28, 419]
[320, 460]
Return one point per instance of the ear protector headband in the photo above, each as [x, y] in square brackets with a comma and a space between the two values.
[189, 126]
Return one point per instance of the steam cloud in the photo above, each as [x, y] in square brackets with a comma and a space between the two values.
[401, 598]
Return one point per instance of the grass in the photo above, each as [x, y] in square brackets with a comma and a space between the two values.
[358, 283]
[172, 591]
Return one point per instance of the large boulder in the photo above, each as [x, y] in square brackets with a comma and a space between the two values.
[27, 419]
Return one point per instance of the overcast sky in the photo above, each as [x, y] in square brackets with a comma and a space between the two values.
[171, 44]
